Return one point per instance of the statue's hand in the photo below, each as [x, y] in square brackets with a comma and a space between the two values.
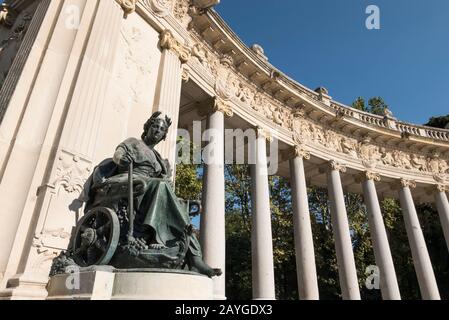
[122, 158]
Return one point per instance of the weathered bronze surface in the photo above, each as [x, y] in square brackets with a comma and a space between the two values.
[151, 231]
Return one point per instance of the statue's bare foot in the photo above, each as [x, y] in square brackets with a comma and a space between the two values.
[203, 268]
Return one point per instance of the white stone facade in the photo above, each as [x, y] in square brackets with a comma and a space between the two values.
[69, 95]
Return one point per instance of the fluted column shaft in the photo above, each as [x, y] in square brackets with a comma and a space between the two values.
[305, 253]
[343, 244]
[168, 94]
[261, 234]
[421, 259]
[443, 210]
[388, 281]
[213, 237]
[18, 182]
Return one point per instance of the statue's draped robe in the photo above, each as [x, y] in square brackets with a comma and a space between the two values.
[158, 211]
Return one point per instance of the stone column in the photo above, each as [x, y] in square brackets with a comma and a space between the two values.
[388, 281]
[443, 209]
[343, 244]
[261, 236]
[213, 237]
[421, 259]
[69, 145]
[168, 93]
[305, 253]
[22, 168]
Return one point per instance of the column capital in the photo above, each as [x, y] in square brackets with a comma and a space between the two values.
[185, 73]
[332, 166]
[442, 188]
[213, 105]
[297, 151]
[406, 183]
[168, 42]
[264, 133]
[337, 166]
[128, 6]
[367, 176]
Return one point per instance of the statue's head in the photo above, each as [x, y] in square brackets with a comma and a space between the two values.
[156, 129]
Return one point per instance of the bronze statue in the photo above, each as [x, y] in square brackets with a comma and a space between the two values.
[133, 218]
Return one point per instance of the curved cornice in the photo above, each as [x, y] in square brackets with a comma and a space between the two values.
[244, 80]
[384, 122]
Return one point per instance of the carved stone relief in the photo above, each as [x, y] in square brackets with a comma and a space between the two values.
[369, 153]
[231, 84]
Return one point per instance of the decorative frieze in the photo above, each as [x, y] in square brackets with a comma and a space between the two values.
[364, 149]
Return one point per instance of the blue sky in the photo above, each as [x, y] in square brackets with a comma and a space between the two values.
[325, 43]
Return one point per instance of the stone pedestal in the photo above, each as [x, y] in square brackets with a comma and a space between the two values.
[149, 284]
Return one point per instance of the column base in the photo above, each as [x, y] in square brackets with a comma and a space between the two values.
[113, 284]
[25, 287]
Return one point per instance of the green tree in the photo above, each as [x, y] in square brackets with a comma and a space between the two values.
[188, 182]
[359, 104]
[375, 105]
[439, 122]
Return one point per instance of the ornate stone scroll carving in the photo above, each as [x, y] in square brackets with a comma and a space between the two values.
[300, 152]
[368, 175]
[336, 166]
[168, 42]
[71, 173]
[442, 188]
[297, 151]
[128, 6]
[185, 74]
[183, 11]
[264, 133]
[405, 183]
[216, 105]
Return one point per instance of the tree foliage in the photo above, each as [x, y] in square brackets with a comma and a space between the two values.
[238, 218]
[238, 237]
[439, 122]
[376, 105]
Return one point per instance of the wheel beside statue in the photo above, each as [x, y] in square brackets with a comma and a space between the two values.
[96, 237]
